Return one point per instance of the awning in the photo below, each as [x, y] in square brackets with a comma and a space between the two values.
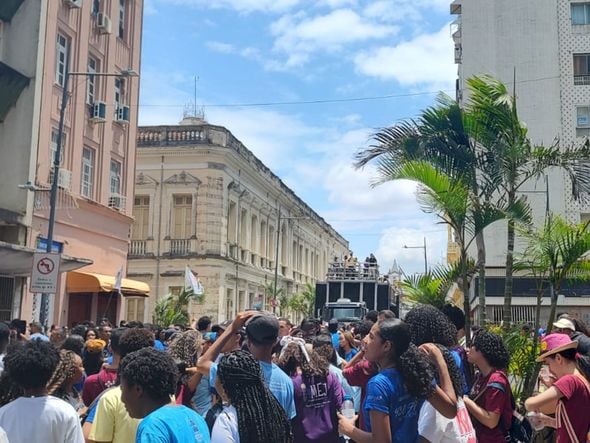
[17, 261]
[91, 282]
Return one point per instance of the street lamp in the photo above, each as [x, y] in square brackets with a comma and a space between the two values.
[55, 179]
[425, 256]
[279, 232]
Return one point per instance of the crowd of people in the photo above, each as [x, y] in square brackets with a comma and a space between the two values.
[261, 379]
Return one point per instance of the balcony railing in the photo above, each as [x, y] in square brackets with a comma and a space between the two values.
[581, 79]
[181, 246]
[138, 247]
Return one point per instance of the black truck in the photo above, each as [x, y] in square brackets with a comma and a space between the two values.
[349, 291]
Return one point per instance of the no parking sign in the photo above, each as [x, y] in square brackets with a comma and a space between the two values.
[45, 272]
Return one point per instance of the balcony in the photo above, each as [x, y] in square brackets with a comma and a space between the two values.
[178, 247]
[581, 80]
[141, 248]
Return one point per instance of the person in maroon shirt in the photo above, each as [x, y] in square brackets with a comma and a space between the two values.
[358, 372]
[107, 376]
[490, 402]
[569, 396]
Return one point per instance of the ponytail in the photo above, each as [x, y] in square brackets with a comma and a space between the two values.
[416, 371]
[412, 364]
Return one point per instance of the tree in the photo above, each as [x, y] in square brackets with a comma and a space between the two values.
[445, 136]
[450, 199]
[173, 309]
[430, 288]
[553, 254]
[511, 159]
[303, 302]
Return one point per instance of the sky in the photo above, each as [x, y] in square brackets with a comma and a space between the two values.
[259, 64]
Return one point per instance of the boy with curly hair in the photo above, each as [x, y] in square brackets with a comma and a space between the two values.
[148, 379]
[30, 365]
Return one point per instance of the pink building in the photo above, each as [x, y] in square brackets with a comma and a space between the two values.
[96, 176]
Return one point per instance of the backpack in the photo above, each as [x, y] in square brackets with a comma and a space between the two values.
[519, 430]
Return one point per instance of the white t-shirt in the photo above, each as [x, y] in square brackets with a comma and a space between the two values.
[225, 429]
[55, 421]
[436, 428]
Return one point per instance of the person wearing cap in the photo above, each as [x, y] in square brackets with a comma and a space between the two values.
[569, 396]
[262, 332]
[566, 325]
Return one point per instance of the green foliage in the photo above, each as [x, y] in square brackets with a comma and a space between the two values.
[430, 288]
[523, 352]
[173, 309]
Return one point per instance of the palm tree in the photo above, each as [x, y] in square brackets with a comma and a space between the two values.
[276, 295]
[512, 159]
[173, 309]
[430, 288]
[450, 199]
[445, 136]
[553, 254]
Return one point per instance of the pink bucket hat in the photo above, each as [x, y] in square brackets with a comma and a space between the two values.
[554, 343]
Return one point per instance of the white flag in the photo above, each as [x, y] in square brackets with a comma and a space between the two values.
[118, 280]
[191, 282]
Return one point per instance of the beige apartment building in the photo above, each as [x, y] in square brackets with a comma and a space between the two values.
[204, 200]
[44, 40]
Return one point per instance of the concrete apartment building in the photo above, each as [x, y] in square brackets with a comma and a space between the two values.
[546, 44]
[42, 40]
[203, 199]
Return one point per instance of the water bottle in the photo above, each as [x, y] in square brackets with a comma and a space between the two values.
[347, 410]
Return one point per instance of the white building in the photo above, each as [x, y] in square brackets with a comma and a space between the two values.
[545, 45]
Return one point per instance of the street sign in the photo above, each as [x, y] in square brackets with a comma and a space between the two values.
[45, 272]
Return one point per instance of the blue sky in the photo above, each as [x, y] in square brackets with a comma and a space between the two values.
[268, 51]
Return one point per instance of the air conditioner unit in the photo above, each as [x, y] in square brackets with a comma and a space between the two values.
[64, 179]
[122, 114]
[99, 112]
[104, 23]
[116, 201]
[73, 3]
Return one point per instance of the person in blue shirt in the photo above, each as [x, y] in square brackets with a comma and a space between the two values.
[148, 380]
[262, 333]
[347, 346]
[395, 395]
[334, 333]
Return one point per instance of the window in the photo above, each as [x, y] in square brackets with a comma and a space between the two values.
[95, 7]
[580, 13]
[115, 177]
[182, 221]
[141, 211]
[92, 80]
[87, 181]
[53, 147]
[119, 93]
[583, 116]
[61, 59]
[581, 69]
[135, 308]
[122, 19]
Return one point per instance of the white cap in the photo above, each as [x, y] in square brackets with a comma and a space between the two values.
[564, 323]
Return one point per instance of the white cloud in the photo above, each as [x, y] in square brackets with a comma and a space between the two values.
[221, 47]
[393, 239]
[298, 35]
[425, 60]
[149, 8]
[244, 6]
[404, 10]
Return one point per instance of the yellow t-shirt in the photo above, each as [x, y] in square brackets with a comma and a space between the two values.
[112, 422]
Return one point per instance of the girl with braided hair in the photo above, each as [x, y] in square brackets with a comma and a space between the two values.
[395, 395]
[185, 349]
[254, 415]
[69, 372]
[318, 393]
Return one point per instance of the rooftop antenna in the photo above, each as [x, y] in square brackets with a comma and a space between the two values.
[191, 109]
